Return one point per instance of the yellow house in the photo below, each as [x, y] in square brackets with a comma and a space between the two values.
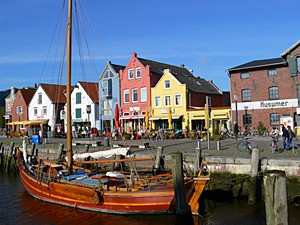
[168, 102]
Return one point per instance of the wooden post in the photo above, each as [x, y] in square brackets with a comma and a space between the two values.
[198, 160]
[183, 211]
[218, 145]
[10, 155]
[253, 178]
[1, 155]
[275, 193]
[32, 148]
[158, 160]
[60, 152]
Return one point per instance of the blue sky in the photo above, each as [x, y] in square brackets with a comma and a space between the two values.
[209, 37]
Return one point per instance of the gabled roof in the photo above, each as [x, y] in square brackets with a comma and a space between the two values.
[27, 94]
[117, 68]
[290, 49]
[91, 89]
[259, 63]
[157, 68]
[197, 84]
[55, 92]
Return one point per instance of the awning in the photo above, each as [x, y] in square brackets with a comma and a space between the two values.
[15, 123]
[131, 117]
[28, 122]
[164, 118]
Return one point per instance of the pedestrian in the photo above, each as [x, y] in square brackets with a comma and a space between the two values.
[290, 137]
[275, 136]
[160, 134]
[235, 130]
[285, 135]
[186, 131]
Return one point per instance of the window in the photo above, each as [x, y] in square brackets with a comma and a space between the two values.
[78, 98]
[35, 111]
[78, 113]
[138, 73]
[274, 119]
[107, 107]
[143, 94]
[273, 92]
[167, 84]
[167, 100]
[244, 75]
[130, 74]
[107, 88]
[246, 95]
[208, 101]
[247, 120]
[157, 101]
[126, 96]
[40, 98]
[19, 109]
[44, 110]
[135, 95]
[177, 100]
[108, 74]
[272, 72]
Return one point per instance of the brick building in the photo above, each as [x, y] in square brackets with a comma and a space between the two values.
[267, 91]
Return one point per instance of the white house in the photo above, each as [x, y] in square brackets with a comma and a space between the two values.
[85, 105]
[46, 104]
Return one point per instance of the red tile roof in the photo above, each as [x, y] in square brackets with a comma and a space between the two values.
[55, 92]
[91, 89]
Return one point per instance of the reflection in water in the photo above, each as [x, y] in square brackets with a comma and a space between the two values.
[18, 207]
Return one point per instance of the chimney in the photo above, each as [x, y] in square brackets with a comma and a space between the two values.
[191, 71]
[182, 65]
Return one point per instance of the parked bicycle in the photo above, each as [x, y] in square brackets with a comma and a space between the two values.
[245, 145]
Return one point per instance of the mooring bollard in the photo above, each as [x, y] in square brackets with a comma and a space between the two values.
[275, 193]
[218, 145]
[183, 212]
[9, 157]
[253, 178]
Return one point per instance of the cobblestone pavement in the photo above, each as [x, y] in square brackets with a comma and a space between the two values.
[227, 148]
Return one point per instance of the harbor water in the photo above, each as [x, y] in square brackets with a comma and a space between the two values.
[18, 207]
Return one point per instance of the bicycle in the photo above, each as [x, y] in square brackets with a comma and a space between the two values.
[244, 145]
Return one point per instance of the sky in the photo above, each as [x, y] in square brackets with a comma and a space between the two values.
[208, 37]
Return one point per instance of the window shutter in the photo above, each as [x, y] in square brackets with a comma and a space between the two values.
[109, 88]
[293, 66]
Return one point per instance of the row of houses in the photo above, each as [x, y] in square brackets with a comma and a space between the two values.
[146, 94]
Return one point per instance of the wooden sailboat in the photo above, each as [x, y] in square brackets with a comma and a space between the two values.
[109, 193]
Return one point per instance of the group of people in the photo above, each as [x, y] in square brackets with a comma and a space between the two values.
[287, 138]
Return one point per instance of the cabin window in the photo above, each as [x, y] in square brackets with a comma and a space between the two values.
[135, 95]
[78, 98]
[273, 93]
[157, 101]
[143, 94]
[126, 96]
[138, 73]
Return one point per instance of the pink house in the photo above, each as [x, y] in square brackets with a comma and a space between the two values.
[136, 81]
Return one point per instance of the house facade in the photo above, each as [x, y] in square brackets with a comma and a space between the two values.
[85, 105]
[109, 95]
[267, 91]
[9, 101]
[184, 96]
[46, 104]
[3, 118]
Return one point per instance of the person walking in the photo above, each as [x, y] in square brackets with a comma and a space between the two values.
[285, 135]
[291, 136]
[235, 130]
[275, 136]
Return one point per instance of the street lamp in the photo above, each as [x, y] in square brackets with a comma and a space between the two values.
[246, 115]
[236, 109]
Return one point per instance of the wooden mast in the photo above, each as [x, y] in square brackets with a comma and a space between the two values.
[69, 67]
